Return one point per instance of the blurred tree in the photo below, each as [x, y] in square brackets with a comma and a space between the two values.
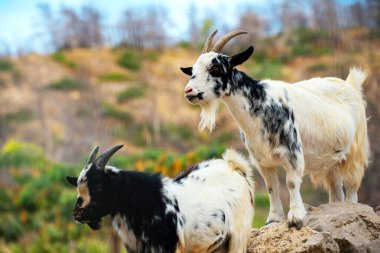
[193, 25]
[357, 17]
[144, 28]
[70, 28]
[373, 7]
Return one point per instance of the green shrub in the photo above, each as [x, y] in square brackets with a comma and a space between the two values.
[10, 226]
[174, 132]
[131, 92]
[184, 44]
[130, 59]
[302, 49]
[270, 69]
[61, 58]
[21, 116]
[113, 77]
[113, 112]
[318, 67]
[5, 65]
[66, 84]
[22, 154]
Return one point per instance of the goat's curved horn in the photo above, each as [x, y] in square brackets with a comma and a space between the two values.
[92, 157]
[102, 160]
[223, 40]
[207, 45]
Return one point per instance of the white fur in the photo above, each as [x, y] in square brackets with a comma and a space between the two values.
[330, 122]
[216, 187]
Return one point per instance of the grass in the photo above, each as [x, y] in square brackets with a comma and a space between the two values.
[5, 65]
[61, 58]
[113, 77]
[130, 93]
[66, 84]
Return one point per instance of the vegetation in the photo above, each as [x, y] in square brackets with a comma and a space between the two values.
[5, 65]
[113, 112]
[66, 84]
[21, 116]
[131, 92]
[37, 201]
[113, 77]
[60, 57]
[130, 59]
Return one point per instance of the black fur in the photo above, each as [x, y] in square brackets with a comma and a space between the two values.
[139, 198]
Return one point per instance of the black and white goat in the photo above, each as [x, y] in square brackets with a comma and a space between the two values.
[317, 125]
[208, 208]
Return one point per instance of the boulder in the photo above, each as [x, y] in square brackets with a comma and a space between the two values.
[329, 228]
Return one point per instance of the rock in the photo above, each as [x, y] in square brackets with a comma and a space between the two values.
[279, 238]
[333, 227]
[377, 211]
[355, 227]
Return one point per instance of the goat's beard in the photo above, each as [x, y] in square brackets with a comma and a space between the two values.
[208, 115]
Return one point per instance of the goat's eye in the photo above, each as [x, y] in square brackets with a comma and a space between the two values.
[215, 71]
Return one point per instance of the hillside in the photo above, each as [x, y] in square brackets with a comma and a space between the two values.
[55, 108]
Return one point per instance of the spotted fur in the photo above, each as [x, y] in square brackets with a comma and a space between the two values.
[317, 124]
[157, 214]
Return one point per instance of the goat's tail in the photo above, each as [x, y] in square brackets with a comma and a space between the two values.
[238, 162]
[356, 78]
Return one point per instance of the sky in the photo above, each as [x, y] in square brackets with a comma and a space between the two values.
[19, 19]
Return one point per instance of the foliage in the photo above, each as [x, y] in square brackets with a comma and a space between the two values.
[131, 92]
[22, 154]
[40, 205]
[66, 84]
[130, 59]
[113, 77]
[21, 116]
[5, 65]
[60, 57]
[268, 69]
[318, 67]
[113, 112]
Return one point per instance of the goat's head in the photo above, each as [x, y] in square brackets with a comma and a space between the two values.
[211, 76]
[95, 186]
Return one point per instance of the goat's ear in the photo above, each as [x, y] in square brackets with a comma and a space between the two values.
[188, 71]
[72, 180]
[239, 58]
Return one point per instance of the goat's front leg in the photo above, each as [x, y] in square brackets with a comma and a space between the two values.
[276, 212]
[294, 174]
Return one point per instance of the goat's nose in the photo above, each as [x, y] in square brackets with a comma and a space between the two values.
[188, 90]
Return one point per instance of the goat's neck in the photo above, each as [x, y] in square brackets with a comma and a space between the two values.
[247, 96]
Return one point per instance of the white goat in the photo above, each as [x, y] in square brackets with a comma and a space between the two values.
[318, 125]
[208, 208]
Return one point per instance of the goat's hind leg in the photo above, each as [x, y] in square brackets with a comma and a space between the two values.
[276, 211]
[351, 193]
[334, 184]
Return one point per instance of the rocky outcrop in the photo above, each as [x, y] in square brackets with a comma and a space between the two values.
[329, 228]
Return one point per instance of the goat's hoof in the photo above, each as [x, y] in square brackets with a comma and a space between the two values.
[295, 223]
[296, 216]
[269, 222]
